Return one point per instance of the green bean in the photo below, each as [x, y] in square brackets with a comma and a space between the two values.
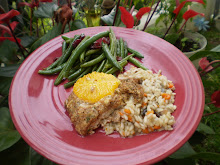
[82, 56]
[137, 63]
[65, 38]
[74, 69]
[125, 48]
[136, 53]
[114, 69]
[75, 74]
[105, 67]
[122, 53]
[109, 56]
[80, 44]
[52, 71]
[68, 51]
[95, 68]
[94, 61]
[59, 79]
[92, 51]
[118, 52]
[113, 43]
[101, 66]
[122, 63]
[54, 64]
[71, 83]
[80, 48]
[64, 46]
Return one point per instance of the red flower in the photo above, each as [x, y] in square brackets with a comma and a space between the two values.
[142, 11]
[180, 6]
[32, 5]
[10, 38]
[191, 13]
[215, 98]
[126, 18]
[203, 63]
[177, 2]
[5, 29]
[5, 18]
[46, 0]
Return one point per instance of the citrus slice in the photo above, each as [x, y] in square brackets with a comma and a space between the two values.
[94, 86]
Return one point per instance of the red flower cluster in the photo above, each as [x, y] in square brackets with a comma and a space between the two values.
[191, 13]
[33, 3]
[128, 19]
[215, 99]
[5, 18]
[180, 6]
[203, 63]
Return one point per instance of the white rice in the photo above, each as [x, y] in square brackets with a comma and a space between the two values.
[137, 122]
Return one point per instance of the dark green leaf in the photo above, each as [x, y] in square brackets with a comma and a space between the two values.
[5, 83]
[184, 152]
[207, 156]
[196, 138]
[172, 38]
[27, 40]
[50, 35]
[204, 54]
[8, 134]
[187, 161]
[4, 101]
[118, 21]
[37, 159]
[8, 51]
[202, 128]
[207, 109]
[18, 154]
[8, 71]
[78, 24]
[45, 10]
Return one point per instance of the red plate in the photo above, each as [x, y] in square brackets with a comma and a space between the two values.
[37, 110]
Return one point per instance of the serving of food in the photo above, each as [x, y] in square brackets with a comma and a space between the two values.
[137, 102]
[138, 107]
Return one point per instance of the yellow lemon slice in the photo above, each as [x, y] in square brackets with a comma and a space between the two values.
[94, 86]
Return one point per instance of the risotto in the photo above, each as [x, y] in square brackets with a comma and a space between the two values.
[153, 114]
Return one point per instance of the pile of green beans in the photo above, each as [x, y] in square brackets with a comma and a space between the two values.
[81, 60]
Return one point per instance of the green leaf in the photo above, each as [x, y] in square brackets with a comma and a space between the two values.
[45, 10]
[37, 159]
[118, 21]
[172, 38]
[207, 109]
[184, 152]
[8, 71]
[216, 49]
[204, 54]
[54, 32]
[108, 19]
[8, 51]
[202, 128]
[187, 161]
[18, 154]
[5, 83]
[215, 157]
[78, 24]
[8, 134]
[27, 40]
